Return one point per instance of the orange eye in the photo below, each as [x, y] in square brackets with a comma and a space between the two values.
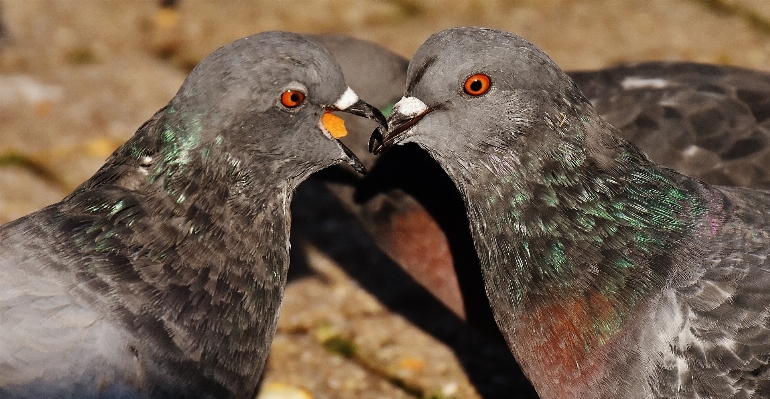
[292, 98]
[477, 84]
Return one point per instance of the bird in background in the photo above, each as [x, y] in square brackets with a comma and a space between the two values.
[162, 275]
[608, 275]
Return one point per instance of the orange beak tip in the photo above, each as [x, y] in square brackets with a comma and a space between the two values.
[334, 124]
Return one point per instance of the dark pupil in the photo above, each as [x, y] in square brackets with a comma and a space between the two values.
[476, 85]
[295, 97]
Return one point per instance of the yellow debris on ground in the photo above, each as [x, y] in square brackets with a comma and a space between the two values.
[277, 390]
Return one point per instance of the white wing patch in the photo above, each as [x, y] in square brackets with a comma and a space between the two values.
[636, 82]
[690, 151]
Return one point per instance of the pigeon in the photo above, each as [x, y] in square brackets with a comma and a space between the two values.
[162, 275]
[609, 275]
[708, 121]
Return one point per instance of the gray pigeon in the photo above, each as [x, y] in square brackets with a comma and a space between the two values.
[162, 275]
[414, 213]
[609, 276]
[707, 121]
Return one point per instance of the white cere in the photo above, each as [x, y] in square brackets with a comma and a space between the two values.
[348, 98]
[409, 106]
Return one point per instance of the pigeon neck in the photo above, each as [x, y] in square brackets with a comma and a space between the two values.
[576, 236]
[187, 148]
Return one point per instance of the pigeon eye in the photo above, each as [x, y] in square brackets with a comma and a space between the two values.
[292, 98]
[477, 84]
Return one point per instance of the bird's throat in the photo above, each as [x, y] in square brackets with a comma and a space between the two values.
[570, 252]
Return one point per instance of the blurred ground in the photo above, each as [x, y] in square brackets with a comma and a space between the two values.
[77, 78]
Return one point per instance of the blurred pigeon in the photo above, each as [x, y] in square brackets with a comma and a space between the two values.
[162, 275]
[609, 276]
[708, 121]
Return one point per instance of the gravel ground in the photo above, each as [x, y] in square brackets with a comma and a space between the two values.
[77, 78]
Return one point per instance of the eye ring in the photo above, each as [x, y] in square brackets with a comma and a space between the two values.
[292, 98]
[477, 84]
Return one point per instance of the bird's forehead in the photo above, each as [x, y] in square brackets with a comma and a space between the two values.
[459, 44]
[446, 59]
[283, 68]
[277, 58]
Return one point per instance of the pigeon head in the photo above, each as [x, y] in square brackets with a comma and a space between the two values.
[490, 89]
[264, 101]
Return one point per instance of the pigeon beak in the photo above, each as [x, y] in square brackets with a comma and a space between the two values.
[352, 159]
[335, 126]
[406, 113]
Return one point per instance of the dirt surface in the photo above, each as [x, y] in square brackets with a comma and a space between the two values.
[78, 77]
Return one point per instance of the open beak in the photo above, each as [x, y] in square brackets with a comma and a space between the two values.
[335, 126]
[406, 113]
